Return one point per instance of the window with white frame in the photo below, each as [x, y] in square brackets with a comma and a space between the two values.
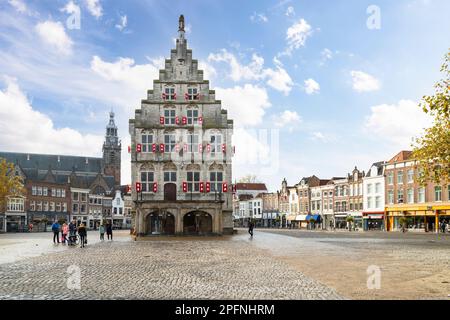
[64, 207]
[192, 116]
[400, 177]
[52, 206]
[63, 193]
[169, 142]
[83, 197]
[438, 193]
[45, 205]
[369, 202]
[369, 188]
[32, 206]
[377, 187]
[53, 192]
[75, 196]
[15, 204]
[216, 143]
[39, 206]
[192, 142]
[378, 202]
[34, 190]
[170, 93]
[169, 116]
[193, 181]
[147, 142]
[192, 94]
[58, 193]
[58, 206]
[400, 196]
[421, 194]
[44, 191]
[410, 195]
[391, 196]
[170, 176]
[147, 180]
[39, 191]
[410, 175]
[216, 179]
[390, 178]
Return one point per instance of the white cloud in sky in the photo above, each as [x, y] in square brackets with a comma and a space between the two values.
[296, 35]
[22, 128]
[94, 7]
[19, 5]
[364, 82]
[397, 123]
[320, 136]
[311, 86]
[287, 119]
[290, 11]
[258, 17]
[123, 23]
[277, 78]
[53, 34]
[246, 105]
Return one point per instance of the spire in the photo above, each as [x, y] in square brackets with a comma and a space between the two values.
[181, 23]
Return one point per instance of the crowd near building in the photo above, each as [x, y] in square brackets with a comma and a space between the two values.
[62, 188]
[376, 199]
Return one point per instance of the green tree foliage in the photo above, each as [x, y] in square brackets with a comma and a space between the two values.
[10, 183]
[432, 149]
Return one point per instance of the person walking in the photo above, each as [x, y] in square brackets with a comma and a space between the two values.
[72, 232]
[64, 231]
[83, 234]
[55, 229]
[102, 232]
[109, 231]
[443, 226]
[250, 228]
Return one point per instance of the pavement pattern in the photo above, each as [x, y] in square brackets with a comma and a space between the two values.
[160, 268]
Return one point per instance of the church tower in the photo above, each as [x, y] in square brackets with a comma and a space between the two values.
[112, 151]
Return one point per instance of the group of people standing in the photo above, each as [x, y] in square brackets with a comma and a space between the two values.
[69, 232]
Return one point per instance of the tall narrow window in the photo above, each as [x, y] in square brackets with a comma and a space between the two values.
[391, 196]
[170, 93]
[421, 195]
[216, 179]
[170, 176]
[169, 116]
[193, 180]
[192, 116]
[438, 193]
[147, 179]
[193, 94]
[400, 177]
[169, 143]
[410, 175]
[410, 195]
[390, 178]
[192, 142]
[147, 142]
[400, 196]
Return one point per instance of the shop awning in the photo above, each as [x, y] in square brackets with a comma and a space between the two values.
[291, 218]
[301, 217]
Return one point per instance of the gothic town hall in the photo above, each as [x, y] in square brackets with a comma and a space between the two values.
[181, 153]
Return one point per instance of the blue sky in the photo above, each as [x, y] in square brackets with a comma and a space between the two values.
[337, 93]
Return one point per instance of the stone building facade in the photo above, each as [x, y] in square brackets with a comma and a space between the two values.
[181, 153]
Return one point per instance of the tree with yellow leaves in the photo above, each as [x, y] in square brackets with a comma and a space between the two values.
[10, 183]
[432, 149]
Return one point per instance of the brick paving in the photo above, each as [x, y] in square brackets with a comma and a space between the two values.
[177, 268]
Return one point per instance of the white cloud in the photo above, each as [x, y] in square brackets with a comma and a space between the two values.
[277, 78]
[19, 5]
[209, 72]
[397, 123]
[259, 17]
[22, 128]
[319, 136]
[297, 34]
[94, 8]
[290, 11]
[70, 8]
[363, 82]
[123, 23]
[246, 105]
[287, 119]
[311, 86]
[53, 34]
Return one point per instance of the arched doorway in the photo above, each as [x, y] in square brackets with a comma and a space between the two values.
[170, 192]
[197, 222]
[160, 222]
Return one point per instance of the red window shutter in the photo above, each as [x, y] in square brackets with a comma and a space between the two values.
[208, 148]
[224, 148]
[202, 187]
[129, 149]
[185, 148]
[164, 96]
[161, 120]
[200, 120]
[184, 120]
[224, 187]
[175, 96]
[138, 187]
[154, 147]
[161, 148]
[177, 148]
[185, 188]
[177, 120]
[208, 187]
[186, 96]
[128, 188]
[200, 148]
[138, 148]
[155, 187]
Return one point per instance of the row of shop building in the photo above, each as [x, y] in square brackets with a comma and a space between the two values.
[386, 197]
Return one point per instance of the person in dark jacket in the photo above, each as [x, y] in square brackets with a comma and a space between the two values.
[72, 232]
[55, 229]
[83, 234]
[250, 228]
[109, 232]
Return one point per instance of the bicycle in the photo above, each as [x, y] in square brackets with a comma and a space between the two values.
[73, 240]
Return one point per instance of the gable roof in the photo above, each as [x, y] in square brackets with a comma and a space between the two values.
[401, 156]
[251, 186]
